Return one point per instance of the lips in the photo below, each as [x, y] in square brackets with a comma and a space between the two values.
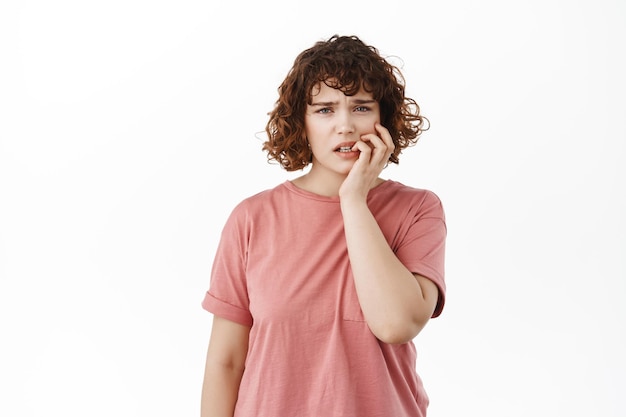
[344, 147]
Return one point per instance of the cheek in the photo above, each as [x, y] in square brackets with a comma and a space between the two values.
[368, 126]
[313, 126]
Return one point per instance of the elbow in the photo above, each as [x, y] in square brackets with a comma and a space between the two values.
[395, 338]
[398, 332]
[403, 321]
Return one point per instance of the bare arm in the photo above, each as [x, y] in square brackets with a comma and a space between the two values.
[396, 303]
[225, 363]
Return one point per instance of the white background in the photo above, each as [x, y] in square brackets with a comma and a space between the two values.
[127, 134]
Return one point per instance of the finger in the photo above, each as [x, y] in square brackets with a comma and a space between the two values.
[382, 138]
[375, 141]
[386, 136]
[365, 139]
[380, 148]
[364, 147]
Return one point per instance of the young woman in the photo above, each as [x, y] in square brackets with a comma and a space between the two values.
[320, 284]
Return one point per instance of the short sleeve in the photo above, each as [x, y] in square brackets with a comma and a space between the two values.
[422, 249]
[227, 296]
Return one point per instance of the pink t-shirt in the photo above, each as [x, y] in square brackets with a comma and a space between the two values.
[282, 267]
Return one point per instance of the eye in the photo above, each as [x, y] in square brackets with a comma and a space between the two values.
[324, 110]
[362, 109]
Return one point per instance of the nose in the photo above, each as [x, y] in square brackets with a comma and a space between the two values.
[345, 124]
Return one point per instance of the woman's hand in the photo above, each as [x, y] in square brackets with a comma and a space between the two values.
[375, 152]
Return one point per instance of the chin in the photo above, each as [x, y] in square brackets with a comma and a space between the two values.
[344, 170]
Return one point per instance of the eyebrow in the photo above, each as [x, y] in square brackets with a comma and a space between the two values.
[332, 103]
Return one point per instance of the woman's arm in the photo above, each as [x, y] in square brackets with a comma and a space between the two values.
[224, 368]
[396, 303]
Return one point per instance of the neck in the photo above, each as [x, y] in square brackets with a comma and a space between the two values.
[325, 184]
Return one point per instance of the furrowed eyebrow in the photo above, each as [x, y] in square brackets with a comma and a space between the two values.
[363, 101]
[324, 103]
[334, 103]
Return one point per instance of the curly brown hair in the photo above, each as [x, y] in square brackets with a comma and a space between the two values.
[347, 64]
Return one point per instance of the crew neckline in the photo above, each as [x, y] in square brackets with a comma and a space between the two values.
[330, 199]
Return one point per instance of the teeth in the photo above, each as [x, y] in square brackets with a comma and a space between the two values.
[345, 149]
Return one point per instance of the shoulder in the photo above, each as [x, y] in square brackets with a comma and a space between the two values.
[413, 196]
[256, 203]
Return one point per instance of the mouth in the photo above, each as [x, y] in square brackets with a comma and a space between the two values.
[345, 147]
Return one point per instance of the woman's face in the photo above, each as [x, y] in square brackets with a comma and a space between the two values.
[334, 122]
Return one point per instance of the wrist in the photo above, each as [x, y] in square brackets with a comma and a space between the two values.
[353, 203]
